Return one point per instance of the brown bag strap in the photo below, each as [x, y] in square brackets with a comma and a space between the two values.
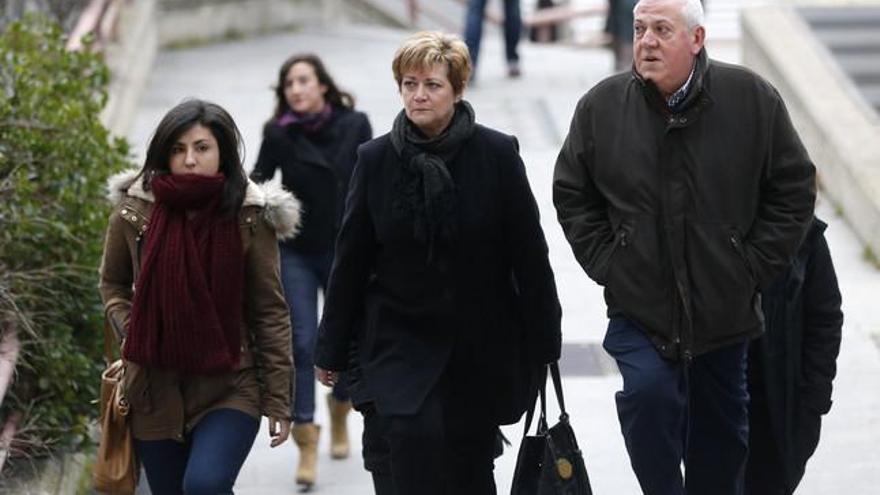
[109, 342]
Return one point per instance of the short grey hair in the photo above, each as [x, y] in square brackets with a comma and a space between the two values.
[691, 12]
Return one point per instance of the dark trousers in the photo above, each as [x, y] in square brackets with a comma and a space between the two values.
[473, 30]
[443, 449]
[672, 412]
[377, 449]
[207, 462]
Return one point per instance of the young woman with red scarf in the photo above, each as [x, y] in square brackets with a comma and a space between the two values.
[312, 138]
[190, 283]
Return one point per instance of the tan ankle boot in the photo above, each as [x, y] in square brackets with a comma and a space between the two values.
[339, 447]
[306, 437]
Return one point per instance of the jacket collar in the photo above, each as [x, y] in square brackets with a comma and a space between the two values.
[280, 207]
[306, 151]
[697, 93]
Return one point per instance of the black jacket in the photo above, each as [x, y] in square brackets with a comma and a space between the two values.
[316, 168]
[485, 311]
[792, 366]
[682, 216]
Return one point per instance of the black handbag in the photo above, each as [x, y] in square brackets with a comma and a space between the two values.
[550, 463]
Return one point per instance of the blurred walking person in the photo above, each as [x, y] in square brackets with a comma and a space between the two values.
[619, 25]
[473, 33]
[312, 137]
[792, 366]
[442, 280]
[189, 280]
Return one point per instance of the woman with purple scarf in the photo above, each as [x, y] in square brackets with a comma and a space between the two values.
[312, 137]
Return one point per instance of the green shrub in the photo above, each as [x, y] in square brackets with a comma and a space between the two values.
[55, 157]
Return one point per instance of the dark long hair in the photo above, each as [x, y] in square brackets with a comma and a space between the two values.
[180, 119]
[333, 96]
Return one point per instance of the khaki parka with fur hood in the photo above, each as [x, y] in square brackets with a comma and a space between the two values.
[166, 404]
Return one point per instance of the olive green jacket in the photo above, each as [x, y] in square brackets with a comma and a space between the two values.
[166, 404]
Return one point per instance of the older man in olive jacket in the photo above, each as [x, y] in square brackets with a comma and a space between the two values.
[682, 187]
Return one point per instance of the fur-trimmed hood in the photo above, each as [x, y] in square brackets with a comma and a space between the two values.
[279, 207]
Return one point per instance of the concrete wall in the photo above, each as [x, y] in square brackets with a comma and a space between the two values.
[187, 21]
[146, 26]
[836, 124]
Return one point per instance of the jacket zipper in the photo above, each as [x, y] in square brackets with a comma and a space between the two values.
[620, 240]
[738, 247]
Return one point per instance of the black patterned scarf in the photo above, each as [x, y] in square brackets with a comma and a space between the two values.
[423, 188]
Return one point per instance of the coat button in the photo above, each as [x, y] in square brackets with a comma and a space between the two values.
[134, 218]
[124, 212]
[684, 120]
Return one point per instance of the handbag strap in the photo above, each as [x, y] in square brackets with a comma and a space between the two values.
[109, 342]
[530, 414]
[557, 386]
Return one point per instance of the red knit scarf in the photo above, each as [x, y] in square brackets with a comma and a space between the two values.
[186, 312]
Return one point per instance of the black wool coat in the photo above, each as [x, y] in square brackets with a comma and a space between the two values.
[483, 312]
[316, 168]
[792, 365]
[682, 216]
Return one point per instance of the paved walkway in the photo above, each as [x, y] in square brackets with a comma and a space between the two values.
[537, 109]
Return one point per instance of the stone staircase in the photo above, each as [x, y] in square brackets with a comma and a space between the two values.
[852, 35]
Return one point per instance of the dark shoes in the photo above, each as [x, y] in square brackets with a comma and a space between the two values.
[513, 70]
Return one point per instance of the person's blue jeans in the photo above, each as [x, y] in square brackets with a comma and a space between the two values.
[207, 462]
[302, 276]
[671, 412]
[473, 30]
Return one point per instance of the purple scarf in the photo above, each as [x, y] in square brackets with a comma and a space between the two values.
[309, 122]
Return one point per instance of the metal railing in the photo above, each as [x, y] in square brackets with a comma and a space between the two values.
[99, 19]
[10, 348]
[543, 18]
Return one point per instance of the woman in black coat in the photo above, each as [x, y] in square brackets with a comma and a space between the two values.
[312, 138]
[442, 280]
[791, 368]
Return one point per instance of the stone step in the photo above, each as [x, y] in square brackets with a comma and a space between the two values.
[860, 63]
[850, 38]
[871, 92]
[822, 18]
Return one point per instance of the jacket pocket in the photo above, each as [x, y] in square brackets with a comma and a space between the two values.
[621, 240]
[202, 391]
[723, 289]
[136, 386]
[737, 243]
[638, 274]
